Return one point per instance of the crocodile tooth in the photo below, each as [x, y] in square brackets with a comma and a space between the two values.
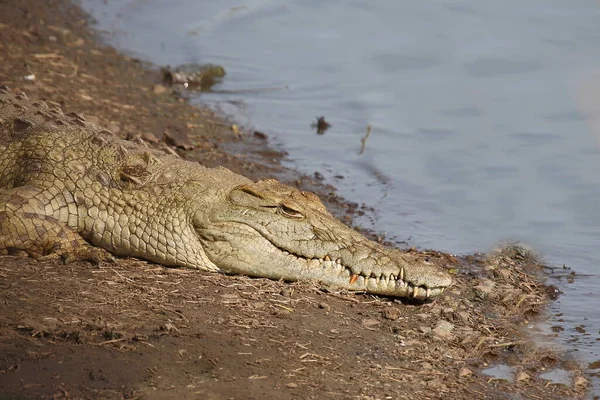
[313, 263]
[428, 293]
[338, 261]
[353, 278]
[327, 258]
[402, 274]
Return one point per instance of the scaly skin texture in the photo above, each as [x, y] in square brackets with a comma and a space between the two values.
[72, 189]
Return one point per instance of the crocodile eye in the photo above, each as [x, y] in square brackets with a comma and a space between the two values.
[289, 212]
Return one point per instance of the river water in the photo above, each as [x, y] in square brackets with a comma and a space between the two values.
[485, 115]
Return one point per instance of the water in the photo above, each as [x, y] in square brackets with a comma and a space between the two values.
[485, 115]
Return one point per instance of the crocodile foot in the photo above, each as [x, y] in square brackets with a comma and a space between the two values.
[46, 238]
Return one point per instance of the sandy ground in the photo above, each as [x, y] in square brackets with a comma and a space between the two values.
[137, 330]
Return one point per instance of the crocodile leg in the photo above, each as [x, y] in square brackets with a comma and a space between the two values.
[26, 228]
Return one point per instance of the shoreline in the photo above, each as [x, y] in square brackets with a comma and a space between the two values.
[382, 347]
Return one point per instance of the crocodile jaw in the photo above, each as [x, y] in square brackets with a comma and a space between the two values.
[238, 248]
[334, 271]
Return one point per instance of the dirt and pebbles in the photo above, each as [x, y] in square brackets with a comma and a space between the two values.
[137, 330]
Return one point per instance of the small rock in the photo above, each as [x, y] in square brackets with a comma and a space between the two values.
[158, 89]
[553, 292]
[487, 282]
[425, 329]
[78, 42]
[453, 304]
[436, 385]
[369, 322]
[522, 376]
[464, 372]
[506, 274]
[292, 385]
[390, 313]
[580, 381]
[177, 139]
[485, 288]
[443, 330]
[149, 137]
[58, 29]
[260, 135]
[31, 325]
[324, 306]
[448, 310]
[464, 316]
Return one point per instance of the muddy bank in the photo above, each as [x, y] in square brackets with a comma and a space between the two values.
[137, 330]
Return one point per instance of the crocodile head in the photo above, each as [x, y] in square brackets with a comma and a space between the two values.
[268, 229]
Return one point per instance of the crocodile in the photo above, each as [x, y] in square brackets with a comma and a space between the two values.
[71, 189]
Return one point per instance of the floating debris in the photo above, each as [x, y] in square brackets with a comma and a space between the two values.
[363, 141]
[194, 76]
[321, 125]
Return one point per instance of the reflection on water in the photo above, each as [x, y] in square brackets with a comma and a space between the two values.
[485, 115]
